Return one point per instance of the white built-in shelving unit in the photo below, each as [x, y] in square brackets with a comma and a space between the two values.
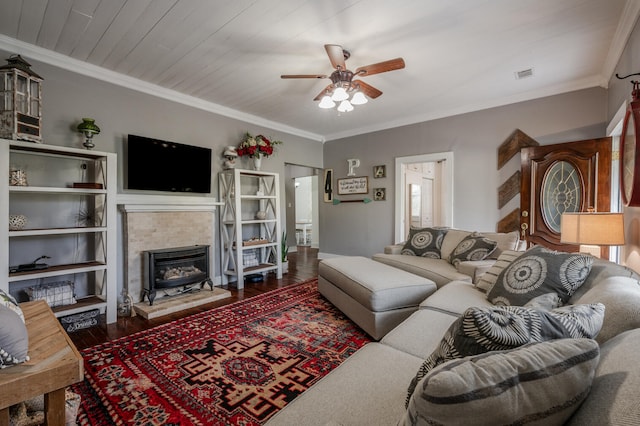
[69, 202]
[250, 242]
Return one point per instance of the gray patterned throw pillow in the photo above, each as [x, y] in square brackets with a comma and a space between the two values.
[424, 242]
[485, 329]
[14, 339]
[538, 383]
[540, 271]
[10, 302]
[472, 247]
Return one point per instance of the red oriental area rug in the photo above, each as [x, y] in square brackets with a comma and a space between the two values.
[234, 365]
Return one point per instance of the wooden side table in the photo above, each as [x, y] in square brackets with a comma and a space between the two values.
[54, 364]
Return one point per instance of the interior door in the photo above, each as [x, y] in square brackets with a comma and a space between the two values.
[415, 205]
[567, 177]
[427, 202]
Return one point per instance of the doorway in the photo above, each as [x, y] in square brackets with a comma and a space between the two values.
[306, 211]
[302, 206]
[424, 192]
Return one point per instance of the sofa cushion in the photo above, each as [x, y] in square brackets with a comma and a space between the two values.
[14, 340]
[439, 271]
[420, 334]
[489, 278]
[472, 247]
[475, 268]
[455, 298]
[374, 285]
[539, 271]
[484, 329]
[544, 381]
[600, 270]
[621, 297]
[424, 242]
[613, 399]
[505, 240]
[366, 389]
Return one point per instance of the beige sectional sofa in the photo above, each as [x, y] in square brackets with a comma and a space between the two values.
[441, 271]
[370, 387]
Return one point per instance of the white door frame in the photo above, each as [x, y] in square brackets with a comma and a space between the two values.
[446, 188]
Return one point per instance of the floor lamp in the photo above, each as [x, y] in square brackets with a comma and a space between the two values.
[592, 230]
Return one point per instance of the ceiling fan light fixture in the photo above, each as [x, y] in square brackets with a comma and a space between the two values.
[339, 94]
[326, 102]
[345, 106]
[359, 99]
[342, 84]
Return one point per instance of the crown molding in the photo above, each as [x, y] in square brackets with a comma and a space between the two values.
[627, 22]
[586, 83]
[74, 65]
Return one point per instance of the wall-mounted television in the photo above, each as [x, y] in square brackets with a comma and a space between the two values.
[158, 165]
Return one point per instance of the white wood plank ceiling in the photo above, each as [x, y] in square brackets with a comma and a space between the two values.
[228, 55]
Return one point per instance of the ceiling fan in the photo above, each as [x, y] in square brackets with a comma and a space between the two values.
[343, 84]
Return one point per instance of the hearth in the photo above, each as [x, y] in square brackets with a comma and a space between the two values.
[175, 267]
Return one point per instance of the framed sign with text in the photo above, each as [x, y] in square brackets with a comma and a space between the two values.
[353, 185]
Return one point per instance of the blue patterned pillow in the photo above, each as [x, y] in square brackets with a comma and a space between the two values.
[424, 242]
[540, 271]
[494, 328]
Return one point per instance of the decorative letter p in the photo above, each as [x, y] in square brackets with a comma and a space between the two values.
[353, 163]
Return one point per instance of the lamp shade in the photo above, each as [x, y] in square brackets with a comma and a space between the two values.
[602, 229]
[345, 106]
[339, 94]
[327, 102]
[359, 99]
[88, 127]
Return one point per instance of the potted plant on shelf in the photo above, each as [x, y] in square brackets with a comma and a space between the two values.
[285, 250]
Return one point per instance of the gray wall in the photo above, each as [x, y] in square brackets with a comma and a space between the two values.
[620, 94]
[474, 138]
[67, 97]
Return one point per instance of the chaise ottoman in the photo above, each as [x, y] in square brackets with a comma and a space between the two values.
[375, 296]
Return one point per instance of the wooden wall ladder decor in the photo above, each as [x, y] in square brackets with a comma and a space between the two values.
[511, 187]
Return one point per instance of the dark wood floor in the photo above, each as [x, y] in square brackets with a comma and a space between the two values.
[302, 265]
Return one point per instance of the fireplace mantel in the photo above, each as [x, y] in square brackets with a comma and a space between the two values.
[158, 203]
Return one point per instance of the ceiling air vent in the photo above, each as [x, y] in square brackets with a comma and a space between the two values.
[524, 73]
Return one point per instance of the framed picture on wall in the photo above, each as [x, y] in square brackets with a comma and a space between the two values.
[379, 171]
[354, 185]
[379, 194]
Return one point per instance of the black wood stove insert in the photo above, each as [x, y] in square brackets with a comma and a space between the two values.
[175, 267]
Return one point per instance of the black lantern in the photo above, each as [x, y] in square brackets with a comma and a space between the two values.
[20, 101]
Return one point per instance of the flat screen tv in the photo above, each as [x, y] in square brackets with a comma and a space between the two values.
[157, 165]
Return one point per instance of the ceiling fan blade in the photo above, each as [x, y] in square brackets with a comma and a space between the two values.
[324, 91]
[390, 65]
[336, 56]
[368, 89]
[304, 76]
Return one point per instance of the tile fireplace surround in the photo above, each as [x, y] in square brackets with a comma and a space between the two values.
[152, 222]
